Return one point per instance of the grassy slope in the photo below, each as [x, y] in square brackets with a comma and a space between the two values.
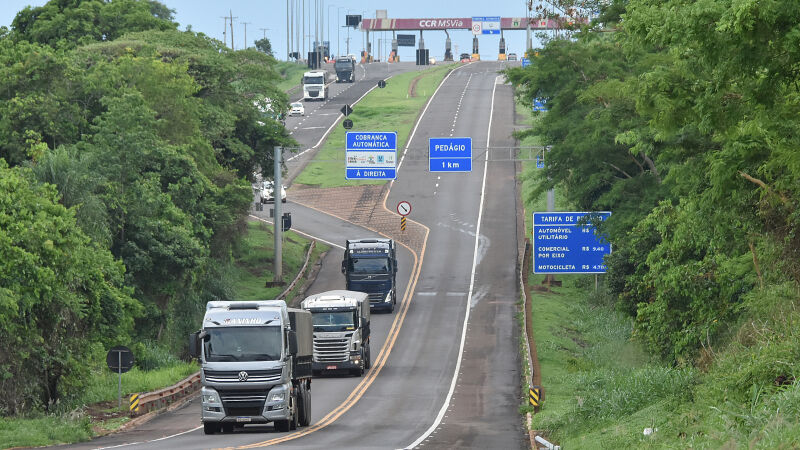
[370, 114]
[255, 257]
[291, 74]
[602, 390]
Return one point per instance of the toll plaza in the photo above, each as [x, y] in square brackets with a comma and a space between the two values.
[478, 26]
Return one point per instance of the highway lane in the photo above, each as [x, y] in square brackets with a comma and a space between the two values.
[408, 396]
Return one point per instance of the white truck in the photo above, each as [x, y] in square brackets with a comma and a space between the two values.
[341, 331]
[255, 359]
[314, 87]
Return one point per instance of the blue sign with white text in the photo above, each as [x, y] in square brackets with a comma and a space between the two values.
[561, 246]
[371, 155]
[539, 105]
[450, 154]
[525, 62]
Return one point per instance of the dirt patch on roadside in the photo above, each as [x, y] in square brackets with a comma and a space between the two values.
[412, 88]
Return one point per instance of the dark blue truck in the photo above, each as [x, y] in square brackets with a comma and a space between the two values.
[370, 265]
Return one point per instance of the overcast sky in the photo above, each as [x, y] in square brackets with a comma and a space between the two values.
[206, 16]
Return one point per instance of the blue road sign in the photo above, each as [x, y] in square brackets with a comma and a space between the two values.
[539, 105]
[525, 62]
[450, 154]
[371, 155]
[561, 246]
[539, 162]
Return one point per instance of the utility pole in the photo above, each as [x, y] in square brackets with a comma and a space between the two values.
[231, 16]
[287, 31]
[245, 34]
[277, 218]
[225, 30]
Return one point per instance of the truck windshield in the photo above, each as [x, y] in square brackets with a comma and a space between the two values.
[347, 64]
[369, 265]
[243, 344]
[313, 80]
[335, 321]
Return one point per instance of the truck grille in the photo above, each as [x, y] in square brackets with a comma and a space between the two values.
[377, 297]
[248, 402]
[253, 376]
[331, 350]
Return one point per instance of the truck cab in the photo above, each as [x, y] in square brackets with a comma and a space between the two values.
[341, 331]
[370, 265]
[345, 70]
[255, 359]
[314, 86]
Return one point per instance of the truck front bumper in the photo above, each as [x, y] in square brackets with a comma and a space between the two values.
[214, 411]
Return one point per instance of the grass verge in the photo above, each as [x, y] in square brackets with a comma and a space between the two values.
[387, 109]
[254, 260]
[291, 74]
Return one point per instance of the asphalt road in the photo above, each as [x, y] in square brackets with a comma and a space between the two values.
[450, 374]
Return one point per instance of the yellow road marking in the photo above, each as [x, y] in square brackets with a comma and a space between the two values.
[383, 355]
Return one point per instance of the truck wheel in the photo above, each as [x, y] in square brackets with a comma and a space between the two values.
[210, 428]
[304, 408]
[296, 412]
[368, 360]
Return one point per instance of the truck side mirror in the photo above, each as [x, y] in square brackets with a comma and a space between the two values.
[292, 343]
[344, 266]
[194, 344]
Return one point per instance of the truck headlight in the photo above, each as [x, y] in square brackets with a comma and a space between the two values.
[388, 297]
[210, 398]
[277, 396]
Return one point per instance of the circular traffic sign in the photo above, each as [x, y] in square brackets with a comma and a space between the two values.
[347, 124]
[477, 28]
[120, 359]
[404, 208]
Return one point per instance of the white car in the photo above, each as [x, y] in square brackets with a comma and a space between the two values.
[267, 195]
[297, 109]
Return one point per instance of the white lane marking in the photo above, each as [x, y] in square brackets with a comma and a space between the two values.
[153, 440]
[426, 294]
[455, 294]
[311, 128]
[440, 416]
[419, 121]
[303, 233]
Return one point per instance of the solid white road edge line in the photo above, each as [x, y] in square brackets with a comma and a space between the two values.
[153, 440]
[300, 232]
[471, 286]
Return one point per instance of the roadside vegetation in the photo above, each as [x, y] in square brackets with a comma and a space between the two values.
[683, 122]
[127, 153]
[397, 102]
[290, 73]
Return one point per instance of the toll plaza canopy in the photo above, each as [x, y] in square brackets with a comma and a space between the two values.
[506, 23]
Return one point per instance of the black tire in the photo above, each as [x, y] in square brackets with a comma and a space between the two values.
[295, 420]
[304, 408]
[210, 428]
[368, 360]
[281, 425]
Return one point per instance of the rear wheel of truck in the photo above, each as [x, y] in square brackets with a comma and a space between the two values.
[210, 428]
[304, 408]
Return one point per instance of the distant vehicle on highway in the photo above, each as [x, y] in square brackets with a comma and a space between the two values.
[370, 265]
[268, 195]
[432, 60]
[297, 109]
[465, 57]
[512, 57]
[314, 86]
[345, 69]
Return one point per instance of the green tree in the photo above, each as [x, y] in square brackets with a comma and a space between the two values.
[62, 295]
[263, 45]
